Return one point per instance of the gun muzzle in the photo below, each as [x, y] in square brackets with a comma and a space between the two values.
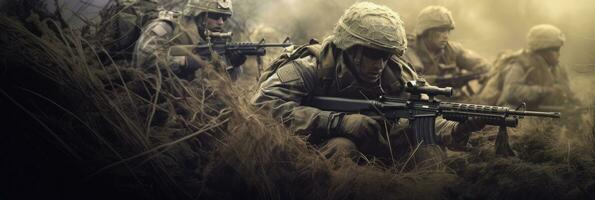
[536, 113]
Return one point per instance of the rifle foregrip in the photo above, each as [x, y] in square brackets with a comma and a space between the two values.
[508, 121]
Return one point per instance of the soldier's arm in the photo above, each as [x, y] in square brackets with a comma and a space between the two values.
[455, 135]
[151, 50]
[282, 95]
[515, 88]
[564, 82]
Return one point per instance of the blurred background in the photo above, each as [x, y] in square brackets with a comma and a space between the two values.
[485, 26]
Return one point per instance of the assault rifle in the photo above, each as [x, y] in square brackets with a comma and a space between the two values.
[422, 112]
[457, 80]
[224, 48]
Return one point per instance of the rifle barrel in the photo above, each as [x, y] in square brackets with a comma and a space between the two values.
[535, 113]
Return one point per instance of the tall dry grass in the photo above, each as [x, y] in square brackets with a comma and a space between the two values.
[159, 137]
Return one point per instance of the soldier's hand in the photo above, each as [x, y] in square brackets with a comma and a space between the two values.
[359, 128]
[472, 124]
[463, 130]
[475, 124]
[235, 58]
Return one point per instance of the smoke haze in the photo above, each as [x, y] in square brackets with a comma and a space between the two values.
[487, 27]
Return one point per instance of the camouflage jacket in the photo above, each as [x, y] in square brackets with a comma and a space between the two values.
[285, 93]
[151, 50]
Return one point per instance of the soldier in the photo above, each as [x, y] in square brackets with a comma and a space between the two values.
[434, 56]
[199, 22]
[532, 75]
[357, 61]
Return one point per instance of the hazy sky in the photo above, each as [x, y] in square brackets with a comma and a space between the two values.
[485, 26]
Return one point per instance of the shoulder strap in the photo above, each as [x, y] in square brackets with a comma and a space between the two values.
[283, 59]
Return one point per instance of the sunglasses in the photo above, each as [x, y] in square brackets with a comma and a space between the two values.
[217, 16]
[375, 54]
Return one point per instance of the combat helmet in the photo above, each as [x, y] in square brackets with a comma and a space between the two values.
[433, 17]
[544, 36]
[197, 7]
[370, 25]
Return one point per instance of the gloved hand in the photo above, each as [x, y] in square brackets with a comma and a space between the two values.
[463, 130]
[473, 124]
[359, 128]
[235, 58]
[192, 63]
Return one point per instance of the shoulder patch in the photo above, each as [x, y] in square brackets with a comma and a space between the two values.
[288, 73]
[160, 29]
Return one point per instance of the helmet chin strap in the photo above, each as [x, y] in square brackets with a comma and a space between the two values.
[206, 28]
[357, 57]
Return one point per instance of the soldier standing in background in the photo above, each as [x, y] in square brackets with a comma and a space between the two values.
[200, 22]
[435, 57]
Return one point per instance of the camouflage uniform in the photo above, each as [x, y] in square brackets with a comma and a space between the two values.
[186, 28]
[285, 93]
[525, 76]
[450, 60]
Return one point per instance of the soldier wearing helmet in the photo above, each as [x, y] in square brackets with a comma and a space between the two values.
[433, 55]
[200, 21]
[532, 74]
[358, 61]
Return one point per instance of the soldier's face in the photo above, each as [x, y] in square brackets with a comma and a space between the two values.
[215, 21]
[551, 56]
[372, 64]
[438, 38]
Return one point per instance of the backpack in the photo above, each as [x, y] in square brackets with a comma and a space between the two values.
[490, 92]
[127, 20]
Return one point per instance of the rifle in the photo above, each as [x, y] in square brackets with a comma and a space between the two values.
[422, 112]
[223, 48]
[457, 80]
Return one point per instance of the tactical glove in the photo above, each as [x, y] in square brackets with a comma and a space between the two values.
[463, 130]
[359, 128]
[235, 58]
